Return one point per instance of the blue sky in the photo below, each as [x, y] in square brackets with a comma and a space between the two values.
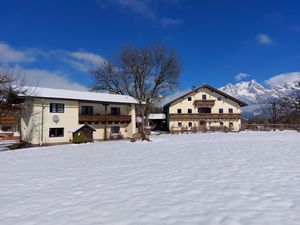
[54, 43]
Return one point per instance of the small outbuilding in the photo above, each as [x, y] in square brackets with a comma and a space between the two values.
[86, 129]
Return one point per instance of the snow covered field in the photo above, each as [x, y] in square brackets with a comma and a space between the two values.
[235, 178]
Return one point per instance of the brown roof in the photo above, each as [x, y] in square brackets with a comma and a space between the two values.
[213, 90]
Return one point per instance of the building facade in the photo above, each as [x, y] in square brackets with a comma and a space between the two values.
[204, 108]
[49, 116]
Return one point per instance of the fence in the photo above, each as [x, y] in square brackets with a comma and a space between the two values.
[269, 127]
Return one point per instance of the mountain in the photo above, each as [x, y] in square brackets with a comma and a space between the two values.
[255, 94]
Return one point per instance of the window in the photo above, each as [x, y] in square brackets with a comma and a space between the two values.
[57, 108]
[189, 110]
[115, 130]
[179, 124]
[230, 110]
[204, 110]
[87, 110]
[219, 98]
[220, 110]
[56, 132]
[203, 97]
[230, 124]
[115, 111]
[190, 124]
[179, 111]
[221, 124]
[189, 99]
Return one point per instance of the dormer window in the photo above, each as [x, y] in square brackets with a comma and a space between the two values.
[189, 99]
[219, 98]
[203, 97]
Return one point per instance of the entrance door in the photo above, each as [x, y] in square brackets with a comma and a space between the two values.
[202, 125]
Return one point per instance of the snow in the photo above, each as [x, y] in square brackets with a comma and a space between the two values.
[157, 116]
[79, 126]
[210, 178]
[78, 95]
[5, 143]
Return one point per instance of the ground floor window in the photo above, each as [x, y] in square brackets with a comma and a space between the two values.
[179, 124]
[230, 124]
[190, 124]
[115, 130]
[56, 132]
[221, 124]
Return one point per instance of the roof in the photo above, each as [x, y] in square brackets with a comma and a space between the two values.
[41, 92]
[157, 116]
[79, 126]
[212, 89]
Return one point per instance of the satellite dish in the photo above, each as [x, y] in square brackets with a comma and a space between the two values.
[55, 118]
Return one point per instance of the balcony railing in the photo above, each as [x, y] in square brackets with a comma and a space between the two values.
[104, 118]
[204, 103]
[204, 116]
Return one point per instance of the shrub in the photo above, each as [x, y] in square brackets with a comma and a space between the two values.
[79, 138]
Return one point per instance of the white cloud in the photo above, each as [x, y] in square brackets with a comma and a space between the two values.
[264, 39]
[170, 22]
[10, 55]
[145, 8]
[46, 78]
[283, 78]
[83, 61]
[241, 76]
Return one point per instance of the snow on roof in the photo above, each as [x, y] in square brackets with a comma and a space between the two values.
[79, 126]
[42, 92]
[157, 116]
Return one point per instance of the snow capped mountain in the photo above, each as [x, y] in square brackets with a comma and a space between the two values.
[253, 92]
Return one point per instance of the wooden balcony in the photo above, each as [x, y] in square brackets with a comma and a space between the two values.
[104, 118]
[204, 103]
[205, 116]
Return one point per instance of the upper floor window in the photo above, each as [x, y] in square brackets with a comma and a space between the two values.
[178, 110]
[56, 132]
[230, 110]
[221, 110]
[189, 110]
[115, 111]
[189, 98]
[219, 98]
[87, 110]
[204, 97]
[204, 110]
[57, 108]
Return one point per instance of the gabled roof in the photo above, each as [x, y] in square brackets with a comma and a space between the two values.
[41, 92]
[79, 126]
[213, 90]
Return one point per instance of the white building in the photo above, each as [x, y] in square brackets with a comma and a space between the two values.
[50, 115]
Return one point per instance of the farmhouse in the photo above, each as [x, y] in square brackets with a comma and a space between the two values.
[54, 116]
[204, 108]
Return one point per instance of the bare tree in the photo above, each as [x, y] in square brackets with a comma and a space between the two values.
[145, 74]
[275, 111]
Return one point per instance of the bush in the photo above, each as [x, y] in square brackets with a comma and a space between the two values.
[79, 138]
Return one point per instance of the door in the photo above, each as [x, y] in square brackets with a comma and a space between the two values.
[202, 125]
